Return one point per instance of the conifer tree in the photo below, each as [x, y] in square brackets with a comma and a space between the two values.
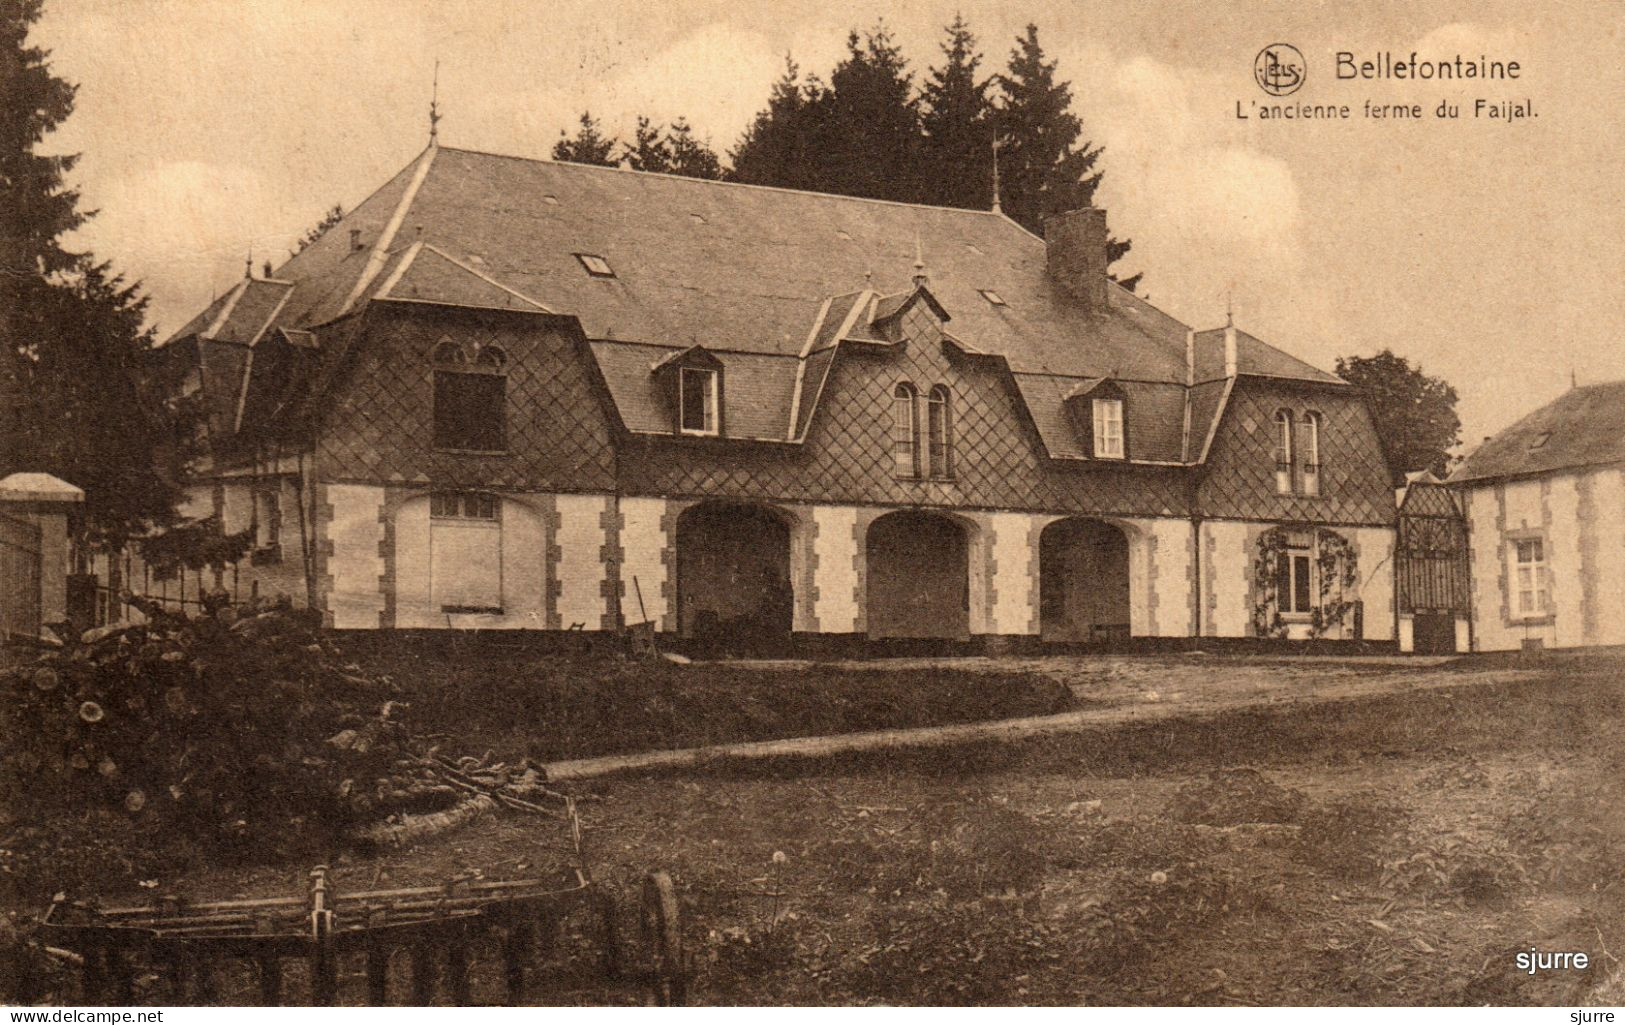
[647, 151]
[777, 148]
[958, 143]
[869, 145]
[73, 351]
[590, 145]
[691, 157]
[1043, 169]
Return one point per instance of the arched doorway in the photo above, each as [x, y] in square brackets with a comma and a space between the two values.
[918, 577]
[1083, 582]
[733, 575]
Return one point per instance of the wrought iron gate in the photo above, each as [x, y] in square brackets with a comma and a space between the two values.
[1430, 565]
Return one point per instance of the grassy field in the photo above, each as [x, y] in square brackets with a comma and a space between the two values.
[1388, 848]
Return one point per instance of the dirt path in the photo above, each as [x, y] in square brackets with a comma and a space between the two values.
[1114, 690]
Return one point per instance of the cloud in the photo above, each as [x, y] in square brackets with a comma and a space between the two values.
[1213, 216]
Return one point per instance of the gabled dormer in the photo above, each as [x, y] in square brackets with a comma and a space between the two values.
[1099, 412]
[692, 382]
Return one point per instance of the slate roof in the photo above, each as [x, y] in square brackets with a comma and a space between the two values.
[1583, 427]
[766, 279]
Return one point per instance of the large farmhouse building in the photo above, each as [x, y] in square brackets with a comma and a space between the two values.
[1545, 508]
[516, 394]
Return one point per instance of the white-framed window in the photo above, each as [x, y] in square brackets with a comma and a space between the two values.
[1108, 415]
[1311, 454]
[1283, 452]
[697, 400]
[1531, 597]
[905, 431]
[939, 430]
[1295, 576]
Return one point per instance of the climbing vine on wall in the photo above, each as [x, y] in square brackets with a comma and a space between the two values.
[1338, 565]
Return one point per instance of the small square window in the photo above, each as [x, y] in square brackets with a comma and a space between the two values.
[698, 401]
[597, 266]
[993, 297]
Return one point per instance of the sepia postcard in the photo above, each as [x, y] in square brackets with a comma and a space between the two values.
[930, 503]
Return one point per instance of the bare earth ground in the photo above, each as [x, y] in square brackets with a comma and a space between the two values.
[1301, 832]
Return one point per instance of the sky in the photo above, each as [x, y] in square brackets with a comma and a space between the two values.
[1489, 251]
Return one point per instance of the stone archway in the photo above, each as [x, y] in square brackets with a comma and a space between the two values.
[1083, 582]
[918, 572]
[733, 574]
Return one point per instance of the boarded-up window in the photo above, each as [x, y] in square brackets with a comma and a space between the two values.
[468, 411]
[465, 541]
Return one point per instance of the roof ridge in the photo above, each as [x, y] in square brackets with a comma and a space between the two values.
[719, 181]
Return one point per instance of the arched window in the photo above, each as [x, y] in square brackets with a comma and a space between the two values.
[905, 431]
[449, 355]
[939, 432]
[491, 358]
[1310, 445]
[470, 400]
[1283, 452]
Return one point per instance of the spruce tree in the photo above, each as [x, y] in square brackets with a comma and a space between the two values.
[73, 351]
[1043, 169]
[958, 143]
[590, 145]
[647, 151]
[778, 146]
[691, 157]
[869, 143]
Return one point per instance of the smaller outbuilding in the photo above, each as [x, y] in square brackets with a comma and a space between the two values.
[1545, 507]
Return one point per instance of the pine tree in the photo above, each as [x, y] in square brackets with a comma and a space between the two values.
[1043, 170]
[676, 151]
[72, 346]
[590, 145]
[691, 157]
[870, 144]
[329, 219]
[777, 147]
[955, 117]
[647, 151]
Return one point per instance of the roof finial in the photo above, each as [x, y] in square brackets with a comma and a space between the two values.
[996, 143]
[248, 262]
[434, 107]
[920, 277]
[1574, 381]
[1230, 307]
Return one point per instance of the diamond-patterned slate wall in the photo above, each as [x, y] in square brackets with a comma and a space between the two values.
[379, 426]
[847, 457]
[1238, 481]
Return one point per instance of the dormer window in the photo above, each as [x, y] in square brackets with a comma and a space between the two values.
[1108, 428]
[697, 400]
[1540, 440]
[992, 297]
[597, 266]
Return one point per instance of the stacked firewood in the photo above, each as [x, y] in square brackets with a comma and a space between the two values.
[222, 722]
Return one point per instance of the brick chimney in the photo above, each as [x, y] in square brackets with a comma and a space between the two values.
[1075, 253]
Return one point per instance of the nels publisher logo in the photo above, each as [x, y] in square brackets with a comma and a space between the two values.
[1279, 69]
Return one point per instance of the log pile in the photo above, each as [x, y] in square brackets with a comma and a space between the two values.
[241, 727]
